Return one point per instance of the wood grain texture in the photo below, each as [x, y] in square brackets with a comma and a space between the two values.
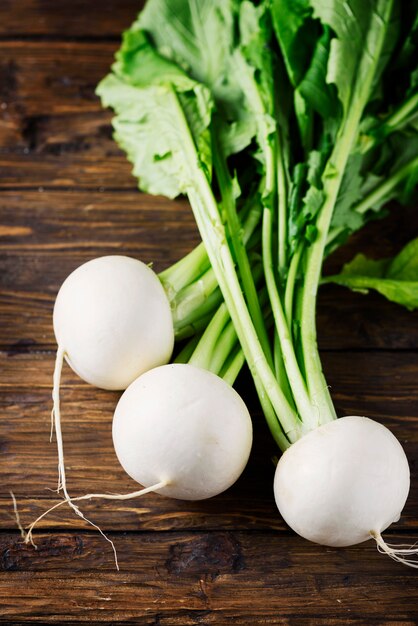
[52, 127]
[202, 578]
[54, 79]
[66, 19]
[66, 196]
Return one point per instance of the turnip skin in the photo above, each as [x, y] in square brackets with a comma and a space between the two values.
[113, 320]
[184, 425]
[343, 482]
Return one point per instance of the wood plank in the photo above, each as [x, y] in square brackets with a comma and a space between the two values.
[380, 385]
[71, 150]
[211, 578]
[58, 78]
[80, 134]
[44, 236]
[39, 222]
[66, 18]
[39, 172]
[53, 131]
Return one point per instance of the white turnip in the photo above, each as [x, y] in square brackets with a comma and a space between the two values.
[185, 426]
[343, 483]
[112, 322]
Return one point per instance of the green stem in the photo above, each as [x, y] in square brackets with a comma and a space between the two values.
[269, 195]
[402, 114]
[185, 271]
[281, 370]
[193, 296]
[290, 283]
[398, 119]
[383, 190]
[217, 349]
[294, 376]
[282, 208]
[238, 247]
[226, 342]
[202, 355]
[333, 174]
[202, 296]
[233, 366]
[187, 351]
[198, 317]
[213, 235]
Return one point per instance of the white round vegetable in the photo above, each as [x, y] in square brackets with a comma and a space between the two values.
[113, 321]
[185, 426]
[343, 483]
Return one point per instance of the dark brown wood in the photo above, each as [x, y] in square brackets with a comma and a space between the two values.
[56, 78]
[66, 19]
[67, 195]
[203, 578]
[52, 128]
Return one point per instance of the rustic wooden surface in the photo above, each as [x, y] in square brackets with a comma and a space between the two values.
[66, 195]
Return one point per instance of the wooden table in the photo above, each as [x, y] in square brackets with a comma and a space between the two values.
[66, 196]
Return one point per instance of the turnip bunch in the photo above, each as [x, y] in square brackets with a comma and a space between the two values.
[306, 92]
[256, 124]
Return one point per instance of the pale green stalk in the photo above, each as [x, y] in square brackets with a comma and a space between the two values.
[213, 234]
[332, 178]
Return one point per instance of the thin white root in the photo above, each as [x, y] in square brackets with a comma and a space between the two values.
[51, 433]
[402, 553]
[56, 422]
[17, 516]
[62, 482]
[28, 536]
[56, 417]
